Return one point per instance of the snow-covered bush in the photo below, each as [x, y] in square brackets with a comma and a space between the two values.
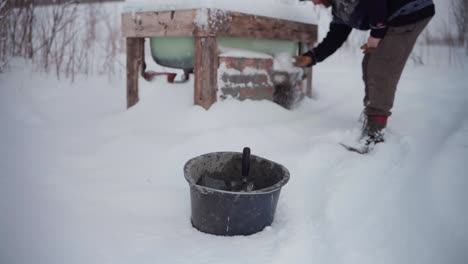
[66, 38]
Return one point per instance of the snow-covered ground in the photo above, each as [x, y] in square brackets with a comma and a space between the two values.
[83, 180]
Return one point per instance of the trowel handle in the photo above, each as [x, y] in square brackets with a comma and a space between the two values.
[246, 162]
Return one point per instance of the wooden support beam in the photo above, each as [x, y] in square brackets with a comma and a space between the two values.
[159, 24]
[309, 73]
[206, 70]
[235, 24]
[135, 59]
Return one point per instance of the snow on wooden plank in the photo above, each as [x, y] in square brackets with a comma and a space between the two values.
[215, 22]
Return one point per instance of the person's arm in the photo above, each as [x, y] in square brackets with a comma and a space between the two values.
[378, 15]
[336, 36]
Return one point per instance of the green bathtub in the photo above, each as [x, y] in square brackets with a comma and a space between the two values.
[178, 52]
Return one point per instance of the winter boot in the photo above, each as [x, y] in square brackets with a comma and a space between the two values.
[373, 129]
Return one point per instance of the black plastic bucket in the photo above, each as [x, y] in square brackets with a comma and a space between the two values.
[226, 202]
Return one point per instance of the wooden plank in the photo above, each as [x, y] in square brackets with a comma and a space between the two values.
[135, 56]
[235, 24]
[206, 71]
[55, 2]
[159, 24]
[218, 23]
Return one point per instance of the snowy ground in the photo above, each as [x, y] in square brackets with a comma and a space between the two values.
[82, 180]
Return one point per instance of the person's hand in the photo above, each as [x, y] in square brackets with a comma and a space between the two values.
[373, 42]
[366, 50]
[371, 45]
[302, 61]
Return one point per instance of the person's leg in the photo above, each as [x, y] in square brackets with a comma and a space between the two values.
[383, 68]
[365, 62]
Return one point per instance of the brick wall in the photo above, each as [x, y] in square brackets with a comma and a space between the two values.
[254, 78]
[245, 78]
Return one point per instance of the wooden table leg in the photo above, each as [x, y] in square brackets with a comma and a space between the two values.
[206, 71]
[309, 73]
[135, 58]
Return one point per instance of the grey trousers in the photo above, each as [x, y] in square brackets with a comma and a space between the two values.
[382, 69]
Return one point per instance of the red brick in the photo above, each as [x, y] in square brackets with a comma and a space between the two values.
[231, 63]
[241, 63]
[256, 93]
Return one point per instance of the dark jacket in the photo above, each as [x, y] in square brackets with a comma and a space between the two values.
[373, 15]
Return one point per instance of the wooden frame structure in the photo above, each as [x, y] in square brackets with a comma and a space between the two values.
[205, 25]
